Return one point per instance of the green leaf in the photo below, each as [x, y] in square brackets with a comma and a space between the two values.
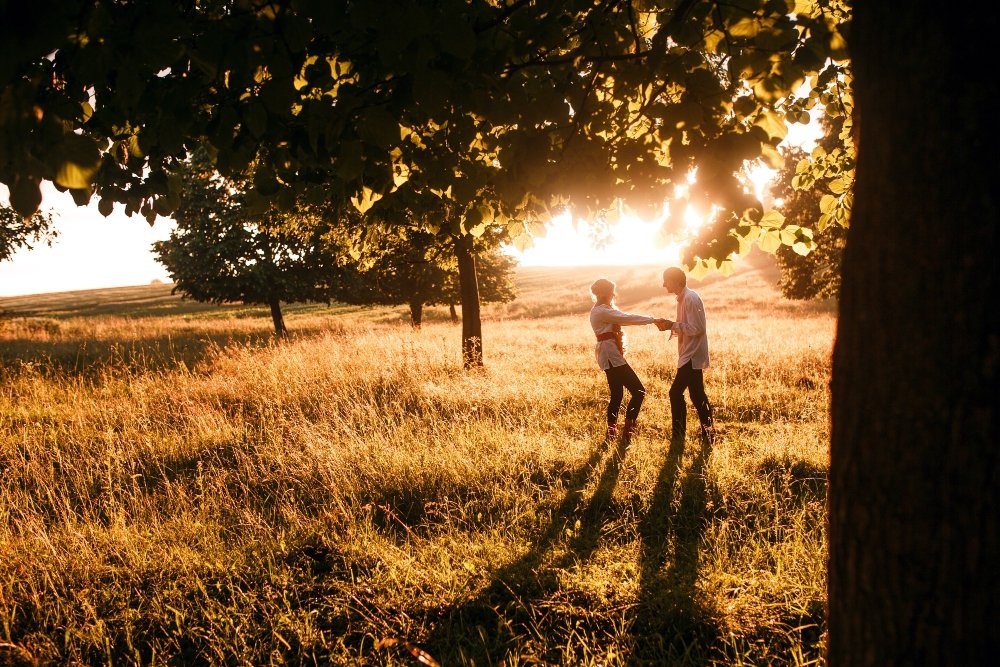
[839, 185]
[803, 248]
[25, 196]
[700, 269]
[81, 159]
[365, 200]
[770, 241]
[74, 176]
[81, 197]
[522, 242]
[134, 150]
[773, 123]
[827, 204]
[772, 156]
[772, 219]
[106, 206]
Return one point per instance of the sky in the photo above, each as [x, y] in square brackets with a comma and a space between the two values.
[94, 252]
[90, 252]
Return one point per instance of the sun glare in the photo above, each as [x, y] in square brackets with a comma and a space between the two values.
[629, 240]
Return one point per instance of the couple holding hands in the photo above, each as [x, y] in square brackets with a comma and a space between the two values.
[689, 328]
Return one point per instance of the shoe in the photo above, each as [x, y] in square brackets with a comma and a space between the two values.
[612, 431]
[629, 428]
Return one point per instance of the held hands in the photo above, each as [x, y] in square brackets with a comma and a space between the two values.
[663, 324]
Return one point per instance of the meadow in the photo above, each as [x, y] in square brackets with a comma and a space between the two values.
[178, 488]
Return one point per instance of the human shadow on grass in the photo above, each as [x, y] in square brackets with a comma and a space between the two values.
[488, 626]
[668, 623]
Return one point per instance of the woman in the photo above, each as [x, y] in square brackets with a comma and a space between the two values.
[607, 322]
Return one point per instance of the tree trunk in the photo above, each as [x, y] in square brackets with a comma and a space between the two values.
[276, 317]
[416, 313]
[452, 312]
[472, 330]
[914, 460]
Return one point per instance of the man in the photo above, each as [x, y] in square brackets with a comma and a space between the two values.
[692, 356]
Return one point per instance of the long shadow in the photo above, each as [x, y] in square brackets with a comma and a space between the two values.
[667, 608]
[593, 518]
[497, 615]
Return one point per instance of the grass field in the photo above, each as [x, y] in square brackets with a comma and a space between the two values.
[177, 488]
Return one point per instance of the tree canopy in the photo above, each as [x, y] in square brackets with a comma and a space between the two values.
[506, 111]
[418, 268]
[224, 251]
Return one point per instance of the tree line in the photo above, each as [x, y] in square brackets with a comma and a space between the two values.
[224, 250]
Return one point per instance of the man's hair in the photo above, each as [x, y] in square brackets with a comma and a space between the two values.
[602, 287]
[677, 275]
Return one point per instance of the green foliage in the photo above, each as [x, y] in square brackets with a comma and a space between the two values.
[17, 231]
[814, 274]
[224, 251]
[418, 268]
[501, 111]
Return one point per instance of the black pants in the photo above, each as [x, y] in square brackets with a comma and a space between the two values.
[694, 382]
[620, 377]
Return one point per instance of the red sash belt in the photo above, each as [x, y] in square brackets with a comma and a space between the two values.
[612, 335]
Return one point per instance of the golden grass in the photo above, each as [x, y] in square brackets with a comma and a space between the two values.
[176, 488]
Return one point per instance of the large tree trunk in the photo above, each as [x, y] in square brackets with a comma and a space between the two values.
[276, 318]
[416, 313]
[915, 453]
[472, 329]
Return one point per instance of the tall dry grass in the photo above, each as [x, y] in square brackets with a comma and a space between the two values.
[179, 489]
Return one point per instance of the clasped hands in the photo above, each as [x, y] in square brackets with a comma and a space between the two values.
[662, 323]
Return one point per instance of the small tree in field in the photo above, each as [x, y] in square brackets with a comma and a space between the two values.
[419, 268]
[17, 231]
[223, 252]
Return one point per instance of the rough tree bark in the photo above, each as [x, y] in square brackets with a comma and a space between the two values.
[277, 318]
[416, 313]
[472, 330]
[914, 461]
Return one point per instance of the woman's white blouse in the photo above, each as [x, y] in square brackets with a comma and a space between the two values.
[603, 319]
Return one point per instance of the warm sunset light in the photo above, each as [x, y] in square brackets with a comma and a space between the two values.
[629, 240]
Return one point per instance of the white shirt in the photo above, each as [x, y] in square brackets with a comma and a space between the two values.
[603, 319]
[691, 330]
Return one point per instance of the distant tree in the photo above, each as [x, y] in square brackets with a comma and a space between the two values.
[419, 268]
[224, 250]
[17, 231]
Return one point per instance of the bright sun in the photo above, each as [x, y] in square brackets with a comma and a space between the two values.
[629, 240]
[632, 240]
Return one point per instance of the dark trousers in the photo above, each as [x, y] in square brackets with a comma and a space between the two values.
[620, 378]
[694, 382]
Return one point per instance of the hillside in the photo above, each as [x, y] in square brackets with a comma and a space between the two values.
[563, 289]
